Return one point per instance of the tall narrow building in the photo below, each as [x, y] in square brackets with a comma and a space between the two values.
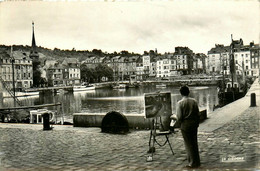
[34, 54]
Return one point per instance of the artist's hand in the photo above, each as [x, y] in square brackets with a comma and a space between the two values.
[173, 117]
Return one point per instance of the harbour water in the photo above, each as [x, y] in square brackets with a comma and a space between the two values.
[126, 101]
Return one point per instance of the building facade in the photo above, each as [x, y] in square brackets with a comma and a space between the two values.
[16, 65]
[246, 59]
[254, 59]
[66, 73]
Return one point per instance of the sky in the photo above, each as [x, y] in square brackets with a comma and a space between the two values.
[135, 26]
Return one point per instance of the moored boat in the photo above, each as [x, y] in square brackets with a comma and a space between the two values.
[21, 94]
[83, 87]
[119, 86]
[161, 86]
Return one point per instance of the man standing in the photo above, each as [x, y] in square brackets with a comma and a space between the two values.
[188, 116]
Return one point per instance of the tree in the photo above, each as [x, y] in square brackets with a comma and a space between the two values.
[97, 52]
[115, 53]
[151, 53]
[36, 73]
[125, 53]
[87, 74]
[102, 70]
[146, 53]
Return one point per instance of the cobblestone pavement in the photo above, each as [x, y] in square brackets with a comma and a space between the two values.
[233, 146]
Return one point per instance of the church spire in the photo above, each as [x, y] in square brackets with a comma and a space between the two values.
[33, 39]
[34, 53]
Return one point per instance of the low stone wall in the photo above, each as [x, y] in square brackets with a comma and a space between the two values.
[135, 121]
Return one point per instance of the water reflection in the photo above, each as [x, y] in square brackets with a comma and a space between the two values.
[105, 100]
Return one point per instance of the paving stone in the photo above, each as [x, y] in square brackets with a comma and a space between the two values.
[87, 149]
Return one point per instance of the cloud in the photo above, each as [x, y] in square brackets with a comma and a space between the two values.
[133, 26]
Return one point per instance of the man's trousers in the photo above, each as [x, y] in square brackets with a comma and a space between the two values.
[191, 146]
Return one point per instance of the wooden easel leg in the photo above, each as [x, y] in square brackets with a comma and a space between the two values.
[167, 139]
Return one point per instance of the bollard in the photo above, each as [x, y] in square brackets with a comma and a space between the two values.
[46, 121]
[253, 100]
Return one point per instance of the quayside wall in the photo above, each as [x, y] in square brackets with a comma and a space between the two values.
[135, 121]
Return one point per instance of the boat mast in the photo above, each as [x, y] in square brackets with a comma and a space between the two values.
[223, 77]
[13, 60]
[232, 66]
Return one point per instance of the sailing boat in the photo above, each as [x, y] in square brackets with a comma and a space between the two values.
[232, 89]
[11, 90]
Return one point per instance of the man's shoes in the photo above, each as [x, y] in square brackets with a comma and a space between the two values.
[188, 167]
[192, 167]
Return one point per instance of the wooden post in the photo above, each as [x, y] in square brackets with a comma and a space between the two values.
[62, 114]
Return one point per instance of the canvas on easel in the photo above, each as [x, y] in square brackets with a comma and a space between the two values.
[159, 105]
[158, 108]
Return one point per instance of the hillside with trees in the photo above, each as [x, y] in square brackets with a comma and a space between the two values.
[87, 74]
[59, 54]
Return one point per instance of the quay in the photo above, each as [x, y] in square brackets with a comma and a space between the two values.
[135, 121]
[228, 140]
[196, 81]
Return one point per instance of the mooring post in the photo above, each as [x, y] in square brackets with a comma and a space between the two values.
[253, 100]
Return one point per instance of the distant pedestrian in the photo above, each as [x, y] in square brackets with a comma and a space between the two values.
[188, 116]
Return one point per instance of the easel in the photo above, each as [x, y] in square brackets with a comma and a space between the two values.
[156, 132]
[158, 108]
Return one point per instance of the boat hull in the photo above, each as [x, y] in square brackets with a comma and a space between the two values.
[161, 86]
[120, 86]
[21, 94]
[83, 88]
